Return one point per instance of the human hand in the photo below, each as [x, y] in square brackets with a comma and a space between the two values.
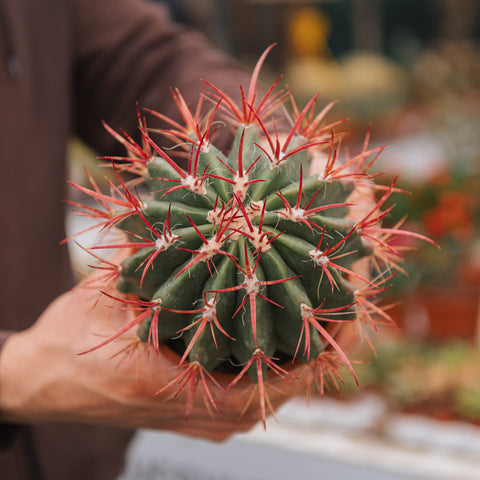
[43, 379]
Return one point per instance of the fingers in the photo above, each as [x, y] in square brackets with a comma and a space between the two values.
[128, 373]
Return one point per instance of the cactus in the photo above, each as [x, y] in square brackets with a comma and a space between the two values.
[245, 260]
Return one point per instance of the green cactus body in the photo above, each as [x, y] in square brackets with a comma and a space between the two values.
[246, 257]
[231, 234]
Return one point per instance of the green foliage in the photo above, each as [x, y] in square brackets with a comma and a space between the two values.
[425, 376]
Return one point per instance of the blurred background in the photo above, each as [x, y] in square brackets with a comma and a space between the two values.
[410, 69]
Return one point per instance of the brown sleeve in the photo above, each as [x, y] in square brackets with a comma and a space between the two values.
[129, 51]
[7, 431]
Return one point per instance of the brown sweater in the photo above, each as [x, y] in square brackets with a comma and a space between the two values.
[64, 66]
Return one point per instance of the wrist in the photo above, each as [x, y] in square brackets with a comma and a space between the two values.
[29, 374]
[37, 382]
[13, 362]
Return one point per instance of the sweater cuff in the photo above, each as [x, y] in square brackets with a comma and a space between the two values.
[8, 431]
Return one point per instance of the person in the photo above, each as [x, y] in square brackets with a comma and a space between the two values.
[66, 66]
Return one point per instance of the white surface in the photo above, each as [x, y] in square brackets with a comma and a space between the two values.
[343, 440]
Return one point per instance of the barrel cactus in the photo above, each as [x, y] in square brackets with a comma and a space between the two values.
[246, 260]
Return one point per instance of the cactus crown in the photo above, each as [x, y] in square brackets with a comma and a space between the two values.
[247, 258]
